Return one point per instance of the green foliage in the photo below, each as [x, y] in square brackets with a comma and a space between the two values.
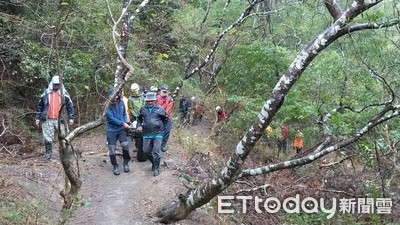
[367, 153]
[266, 63]
[81, 201]
[25, 213]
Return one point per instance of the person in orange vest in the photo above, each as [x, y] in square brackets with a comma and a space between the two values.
[167, 103]
[48, 110]
[284, 138]
[202, 112]
[298, 142]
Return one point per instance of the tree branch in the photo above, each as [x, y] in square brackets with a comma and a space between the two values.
[242, 18]
[205, 16]
[333, 8]
[262, 187]
[369, 26]
[335, 163]
[316, 155]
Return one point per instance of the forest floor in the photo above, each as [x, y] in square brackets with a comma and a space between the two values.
[130, 198]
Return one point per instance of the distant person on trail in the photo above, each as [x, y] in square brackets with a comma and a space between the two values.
[151, 120]
[136, 101]
[202, 112]
[167, 103]
[284, 139]
[193, 111]
[115, 130]
[298, 142]
[48, 112]
[155, 90]
[268, 131]
[183, 109]
[220, 114]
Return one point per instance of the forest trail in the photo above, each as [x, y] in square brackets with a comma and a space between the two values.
[130, 198]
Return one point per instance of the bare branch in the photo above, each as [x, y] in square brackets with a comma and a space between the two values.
[4, 127]
[369, 26]
[205, 16]
[5, 149]
[323, 165]
[262, 187]
[139, 8]
[333, 8]
[109, 11]
[312, 157]
[242, 18]
[227, 3]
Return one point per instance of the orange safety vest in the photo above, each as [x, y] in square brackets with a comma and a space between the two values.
[298, 141]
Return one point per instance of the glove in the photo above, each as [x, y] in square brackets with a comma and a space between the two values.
[37, 122]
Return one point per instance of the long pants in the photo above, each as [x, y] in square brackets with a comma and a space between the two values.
[182, 116]
[152, 147]
[113, 137]
[48, 128]
[194, 118]
[282, 145]
[167, 131]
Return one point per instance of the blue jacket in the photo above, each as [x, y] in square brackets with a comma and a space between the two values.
[43, 106]
[116, 116]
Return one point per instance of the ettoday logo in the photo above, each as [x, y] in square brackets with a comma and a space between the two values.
[306, 205]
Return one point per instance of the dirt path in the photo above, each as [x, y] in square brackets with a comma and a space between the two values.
[130, 198]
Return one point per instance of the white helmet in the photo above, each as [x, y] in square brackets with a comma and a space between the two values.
[217, 108]
[154, 89]
[135, 87]
[193, 98]
[55, 80]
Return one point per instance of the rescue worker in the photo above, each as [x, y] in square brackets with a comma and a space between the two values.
[167, 103]
[151, 120]
[298, 142]
[48, 112]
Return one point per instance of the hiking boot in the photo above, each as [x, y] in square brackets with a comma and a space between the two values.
[116, 170]
[113, 160]
[150, 158]
[156, 170]
[49, 151]
[126, 166]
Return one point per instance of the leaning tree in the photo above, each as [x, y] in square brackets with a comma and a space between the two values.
[120, 34]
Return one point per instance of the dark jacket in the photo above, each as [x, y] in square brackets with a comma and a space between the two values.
[184, 105]
[116, 116]
[152, 120]
[43, 106]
